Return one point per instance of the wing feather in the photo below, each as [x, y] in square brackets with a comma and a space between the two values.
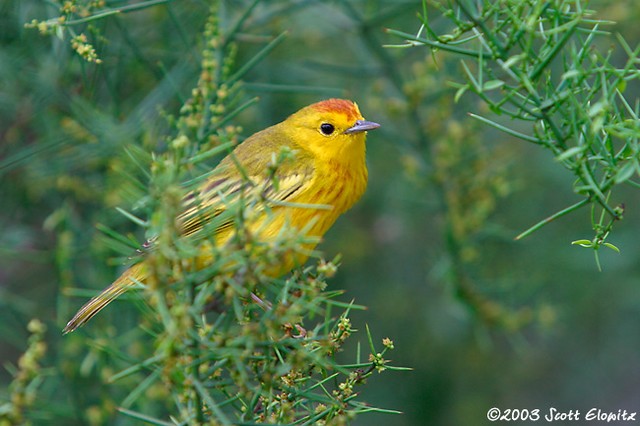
[209, 210]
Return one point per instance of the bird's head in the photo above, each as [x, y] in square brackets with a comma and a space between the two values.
[330, 129]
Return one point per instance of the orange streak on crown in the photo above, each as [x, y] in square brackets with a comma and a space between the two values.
[348, 108]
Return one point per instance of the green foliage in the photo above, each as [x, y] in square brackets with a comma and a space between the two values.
[465, 180]
[27, 378]
[541, 65]
[82, 13]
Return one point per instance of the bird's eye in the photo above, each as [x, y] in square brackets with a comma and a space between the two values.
[327, 129]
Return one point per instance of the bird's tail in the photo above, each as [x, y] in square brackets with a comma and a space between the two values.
[137, 273]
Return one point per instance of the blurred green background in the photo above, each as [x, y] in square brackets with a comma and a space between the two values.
[489, 322]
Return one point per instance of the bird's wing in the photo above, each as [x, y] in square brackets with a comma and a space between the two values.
[210, 210]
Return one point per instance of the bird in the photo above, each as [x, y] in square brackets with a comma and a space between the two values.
[324, 179]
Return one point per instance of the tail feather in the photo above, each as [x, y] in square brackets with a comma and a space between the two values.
[127, 280]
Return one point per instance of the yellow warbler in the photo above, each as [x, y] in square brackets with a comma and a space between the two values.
[328, 171]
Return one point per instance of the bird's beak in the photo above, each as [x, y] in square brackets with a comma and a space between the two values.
[361, 126]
